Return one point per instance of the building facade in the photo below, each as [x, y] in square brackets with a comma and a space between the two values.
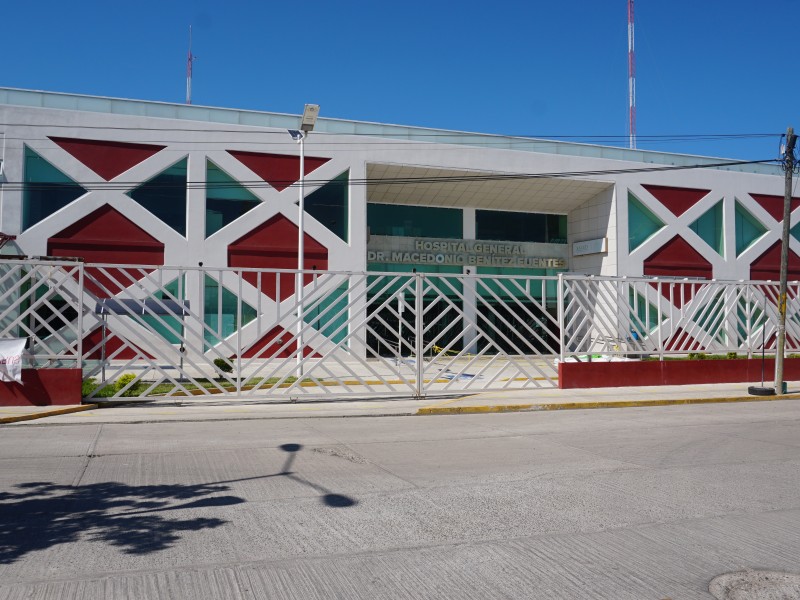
[143, 183]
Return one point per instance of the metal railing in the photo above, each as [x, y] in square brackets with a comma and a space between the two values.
[44, 303]
[635, 317]
[150, 332]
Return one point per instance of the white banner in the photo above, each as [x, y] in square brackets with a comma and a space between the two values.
[11, 359]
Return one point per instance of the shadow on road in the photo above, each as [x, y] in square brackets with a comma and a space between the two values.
[137, 518]
[328, 497]
[40, 515]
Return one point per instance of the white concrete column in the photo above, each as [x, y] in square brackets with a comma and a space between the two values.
[358, 244]
[11, 199]
[470, 308]
[195, 247]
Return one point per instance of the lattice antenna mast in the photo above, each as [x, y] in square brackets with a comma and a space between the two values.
[189, 61]
[631, 80]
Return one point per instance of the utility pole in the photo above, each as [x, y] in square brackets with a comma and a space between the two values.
[788, 168]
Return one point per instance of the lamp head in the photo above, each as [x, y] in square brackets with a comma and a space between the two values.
[310, 114]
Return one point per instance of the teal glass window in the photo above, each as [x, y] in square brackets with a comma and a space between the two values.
[748, 229]
[328, 314]
[167, 326]
[750, 316]
[643, 315]
[50, 313]
[556, 229]
[407, 268]
[46, 190]
[710, 227]
[510, 226]
[543, 290]
[226, 199]
[452, 287]
[165, 196]
[415, 221]
[711, 316]
[220, 312]
[642, 223]
[329, 205]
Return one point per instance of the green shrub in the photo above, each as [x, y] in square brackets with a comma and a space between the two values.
[90, 387]
[732, 355]
[697, 356]
[224, 365]
[125, 380]
[107, 391]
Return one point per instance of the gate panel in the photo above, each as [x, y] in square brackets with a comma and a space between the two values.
[488, 333]
[151, 332]
[43, 302]
[626, 317]
[146, 338]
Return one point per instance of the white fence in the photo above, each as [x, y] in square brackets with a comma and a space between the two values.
[147, 332]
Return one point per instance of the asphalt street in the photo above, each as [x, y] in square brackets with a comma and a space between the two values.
[636, 503]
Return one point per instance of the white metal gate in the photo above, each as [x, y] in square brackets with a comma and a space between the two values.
[151, 332]
[619, 316]
[44, 302]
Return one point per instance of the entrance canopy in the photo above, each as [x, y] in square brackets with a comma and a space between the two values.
[425, 186]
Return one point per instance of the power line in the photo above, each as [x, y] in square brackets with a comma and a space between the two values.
[523, 138]
[126, 186]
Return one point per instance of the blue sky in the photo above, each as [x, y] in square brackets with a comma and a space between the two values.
[520, 68]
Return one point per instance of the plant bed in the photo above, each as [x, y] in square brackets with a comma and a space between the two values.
[671, 372]
[92, 391]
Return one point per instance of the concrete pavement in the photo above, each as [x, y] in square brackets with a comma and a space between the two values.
[597, 504]
[539, 399]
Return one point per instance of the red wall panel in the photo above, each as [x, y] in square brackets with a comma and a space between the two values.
[279, 170]
[273, 245]
[676, 199]
[43, 387]
[768, 265]
[107, 236]
[107, 159]
[669, 372]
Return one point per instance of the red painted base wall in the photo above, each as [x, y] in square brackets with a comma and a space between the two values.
[43, 387]
[671, 372]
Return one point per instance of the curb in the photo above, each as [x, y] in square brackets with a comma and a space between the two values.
[47, 413]
[499, 408]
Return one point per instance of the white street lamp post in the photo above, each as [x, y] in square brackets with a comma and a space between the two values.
[306, 127]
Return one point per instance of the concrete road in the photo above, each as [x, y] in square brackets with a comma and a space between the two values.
[632, 503]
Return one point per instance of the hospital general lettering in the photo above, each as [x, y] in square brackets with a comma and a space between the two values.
[466, 252]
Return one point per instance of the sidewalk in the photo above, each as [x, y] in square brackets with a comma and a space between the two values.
[486, 402]
[15, 414]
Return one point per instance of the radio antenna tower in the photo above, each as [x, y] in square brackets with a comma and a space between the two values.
[189, 61]
[631, 80]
